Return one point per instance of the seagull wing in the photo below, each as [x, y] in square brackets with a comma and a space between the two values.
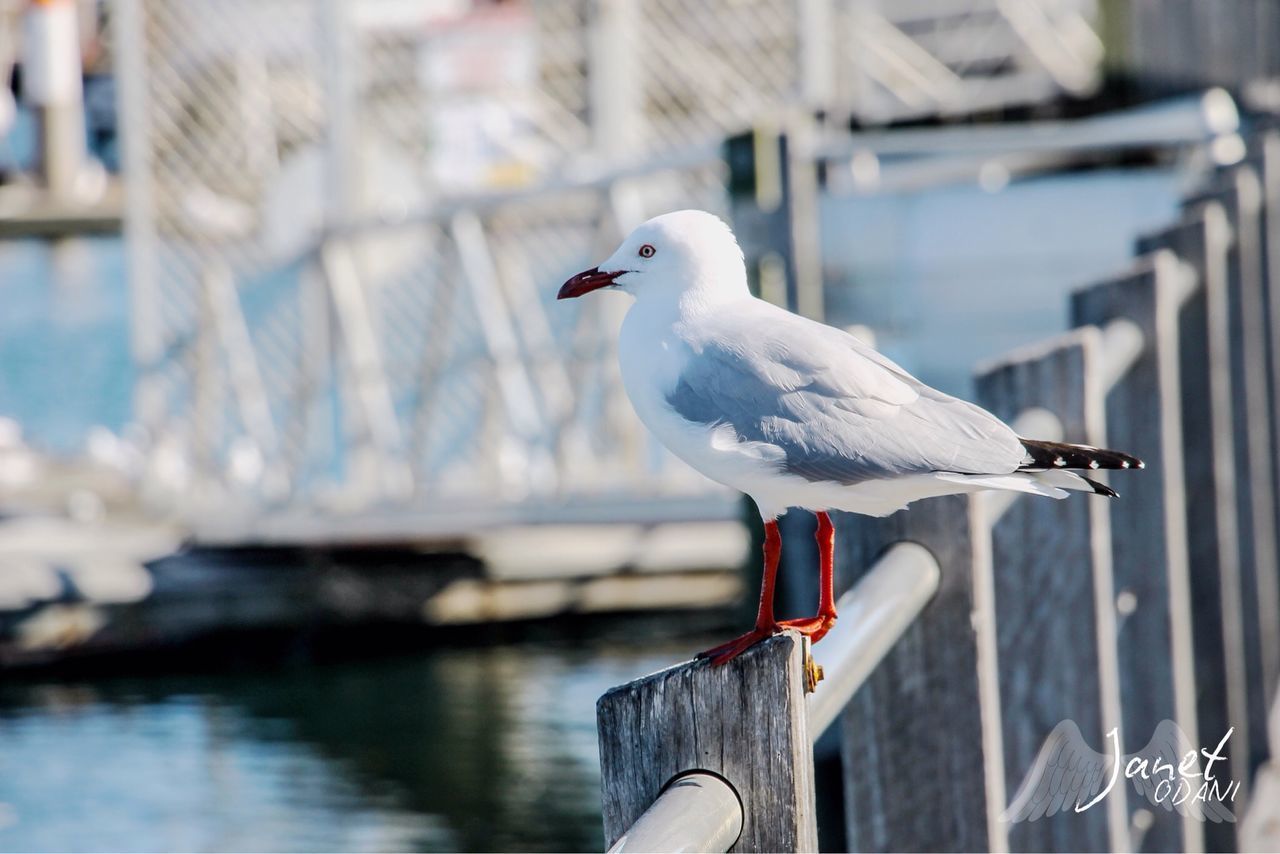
[836, 409]
[1066, 773]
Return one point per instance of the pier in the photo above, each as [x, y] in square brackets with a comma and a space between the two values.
[972, 626]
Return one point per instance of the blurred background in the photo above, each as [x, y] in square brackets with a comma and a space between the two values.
[322, 525]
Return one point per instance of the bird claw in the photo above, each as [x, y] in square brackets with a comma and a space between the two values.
[815, 628]
[726, 652]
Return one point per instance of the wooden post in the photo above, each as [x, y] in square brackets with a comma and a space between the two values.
[1055, 631]
[745, 721]
[1268, 155]
[1201, 241]
[1241, 199]
[913, 744]
[1148, 522]
[773, 194]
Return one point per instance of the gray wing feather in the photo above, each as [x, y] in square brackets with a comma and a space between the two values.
[838, 410]
[1066, 772]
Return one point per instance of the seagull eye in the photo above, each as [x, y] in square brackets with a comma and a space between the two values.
[647, 250]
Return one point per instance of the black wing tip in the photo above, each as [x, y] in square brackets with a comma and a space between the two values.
[1099, 488]
[1063, 455]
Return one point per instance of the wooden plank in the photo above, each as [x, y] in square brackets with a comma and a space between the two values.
[1267, 156]
[1055, 631]
[912, 739]
[745, 721]
[1149, 527]
[1241, 199]
[1201, 240]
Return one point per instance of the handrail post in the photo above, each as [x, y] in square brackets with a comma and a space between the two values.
[1053, 597]
[745, 722]
[1149, 543]
[1202, 240]
[914, 767]
[1241, 198]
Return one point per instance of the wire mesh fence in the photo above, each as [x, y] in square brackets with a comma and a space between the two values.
[347, 219]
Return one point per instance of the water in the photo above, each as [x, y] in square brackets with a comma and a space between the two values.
[484, 749]
[954, 276]
[64, 339]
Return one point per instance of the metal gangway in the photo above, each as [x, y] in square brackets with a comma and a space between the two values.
[342, 314]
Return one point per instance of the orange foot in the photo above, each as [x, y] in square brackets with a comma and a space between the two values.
[728, 651]
[815, 627]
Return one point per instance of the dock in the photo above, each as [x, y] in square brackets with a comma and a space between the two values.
[85, 570]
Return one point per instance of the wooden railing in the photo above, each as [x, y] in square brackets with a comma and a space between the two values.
[973, 626]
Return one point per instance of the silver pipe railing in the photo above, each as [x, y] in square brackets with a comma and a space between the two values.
[700, 811]
[695, 812]
[1184, 120]
[873, 615]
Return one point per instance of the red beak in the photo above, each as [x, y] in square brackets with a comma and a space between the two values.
[586, 282]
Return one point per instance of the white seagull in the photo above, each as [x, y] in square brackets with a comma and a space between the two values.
[795, 413]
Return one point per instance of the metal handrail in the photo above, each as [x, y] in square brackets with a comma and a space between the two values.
[875, 612]
[1178, 121]
[700, 811]
[695, 812]
[597, 179]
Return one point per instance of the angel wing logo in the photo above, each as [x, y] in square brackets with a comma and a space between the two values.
[1069, 775]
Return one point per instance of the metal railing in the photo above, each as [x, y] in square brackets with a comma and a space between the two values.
[308, 234]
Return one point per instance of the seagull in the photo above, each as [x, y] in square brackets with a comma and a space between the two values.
[794, 413]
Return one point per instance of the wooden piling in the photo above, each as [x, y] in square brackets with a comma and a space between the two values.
[1241, 200]
[913, 746]
[1201, 240]
[745, 721]
[1053, 589]
[1148, 523]
[773, 196]
[1267, 154]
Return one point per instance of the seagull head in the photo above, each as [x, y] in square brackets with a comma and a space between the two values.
[670, 257]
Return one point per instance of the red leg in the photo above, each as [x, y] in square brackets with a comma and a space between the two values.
[817, 627]
[765, 626]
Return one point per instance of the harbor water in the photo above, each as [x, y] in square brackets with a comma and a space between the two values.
[488, 748]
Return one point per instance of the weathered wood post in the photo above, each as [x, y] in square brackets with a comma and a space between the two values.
[1201, 240]
[1148, 523]
[1267, 155]
[1054, 623]
[1241, 199]
[913, 743]
[745, 722]
[773, 196]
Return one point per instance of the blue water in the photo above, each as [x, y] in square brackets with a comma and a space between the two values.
[64, 339]
[467, 749]
[953, 276]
